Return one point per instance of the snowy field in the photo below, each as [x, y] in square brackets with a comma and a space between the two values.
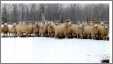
[50, 50]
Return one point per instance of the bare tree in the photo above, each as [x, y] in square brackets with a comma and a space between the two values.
[52, 12]
[4, 14]
[42, 11]
[14, 14]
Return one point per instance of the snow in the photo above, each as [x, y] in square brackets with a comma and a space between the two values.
[51, 50]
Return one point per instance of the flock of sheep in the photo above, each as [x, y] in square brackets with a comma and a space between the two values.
[65, 29]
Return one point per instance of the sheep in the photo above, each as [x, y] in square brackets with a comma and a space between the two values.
[12, 29]
[29, 30]
[103, 31]
[62, 30]
[76, 30]
[90, 31]
[43, 29]
[51, 30]
[59, 30]
[19, 29]
[24, 29]
[4, 29]
[36, 29]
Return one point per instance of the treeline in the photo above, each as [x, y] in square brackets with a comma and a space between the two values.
[54, 12]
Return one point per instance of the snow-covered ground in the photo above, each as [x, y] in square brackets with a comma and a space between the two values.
[51, 50]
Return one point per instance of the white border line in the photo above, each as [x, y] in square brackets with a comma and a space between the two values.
[56, 2]
[110, 29]
[110, 21]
